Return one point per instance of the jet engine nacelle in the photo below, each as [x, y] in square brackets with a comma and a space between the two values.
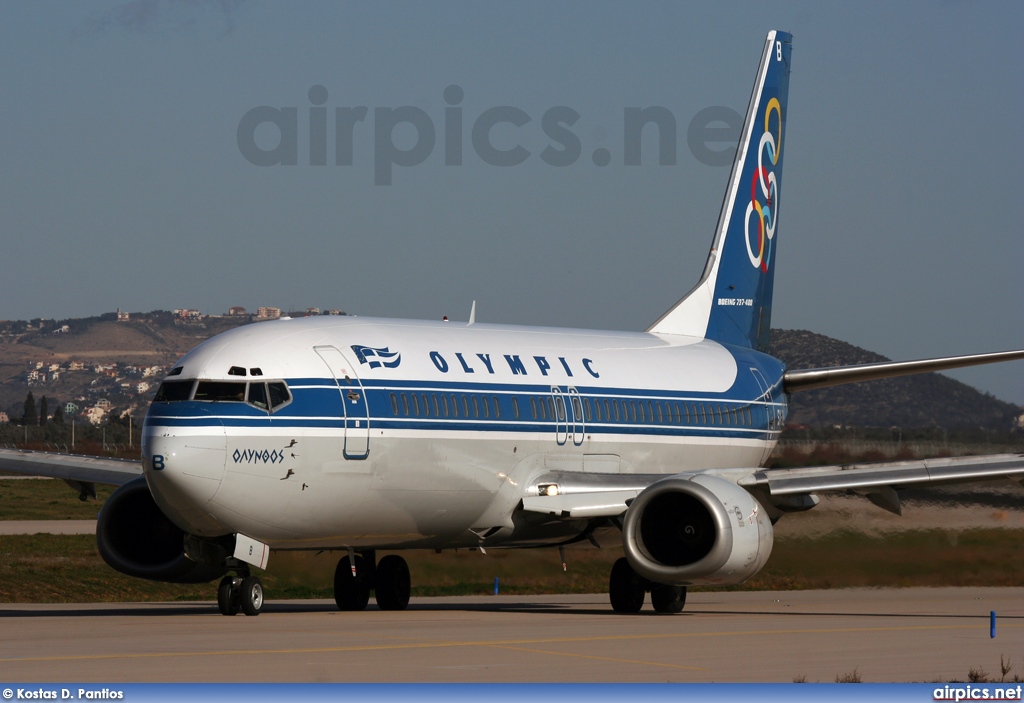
[135, 538]
[691, 530]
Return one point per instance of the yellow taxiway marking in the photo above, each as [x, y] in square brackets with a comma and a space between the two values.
[617, 660]
[510, 644]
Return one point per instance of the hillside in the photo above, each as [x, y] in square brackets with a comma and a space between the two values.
[84, 360]
[926, 400]
[87, 360]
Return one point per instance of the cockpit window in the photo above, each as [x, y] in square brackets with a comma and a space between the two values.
[265, 396]
[221, 391]
[173, 391]
[257, 395]
[279, 394]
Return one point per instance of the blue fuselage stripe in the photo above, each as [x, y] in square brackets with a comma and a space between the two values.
[317, 403]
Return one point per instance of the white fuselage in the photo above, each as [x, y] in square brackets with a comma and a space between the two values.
[398, 434]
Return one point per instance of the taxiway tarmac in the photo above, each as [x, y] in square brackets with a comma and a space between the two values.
[883, 635]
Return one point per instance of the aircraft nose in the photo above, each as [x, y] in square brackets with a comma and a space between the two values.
[184, 466]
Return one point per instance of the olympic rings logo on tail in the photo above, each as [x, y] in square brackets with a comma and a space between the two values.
[764, 190]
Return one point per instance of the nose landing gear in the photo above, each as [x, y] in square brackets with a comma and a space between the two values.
[240, 593]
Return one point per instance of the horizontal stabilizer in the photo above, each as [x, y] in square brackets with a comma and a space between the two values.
[808, 379]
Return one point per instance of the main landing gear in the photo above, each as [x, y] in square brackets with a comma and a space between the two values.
[389, 579]
[243, 592]
[627, 590]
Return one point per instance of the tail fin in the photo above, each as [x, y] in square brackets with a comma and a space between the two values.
[732, 303]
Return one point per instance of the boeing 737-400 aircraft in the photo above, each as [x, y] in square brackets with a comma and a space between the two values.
[357, 435]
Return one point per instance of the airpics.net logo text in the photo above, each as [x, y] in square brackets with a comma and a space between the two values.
[269, 136]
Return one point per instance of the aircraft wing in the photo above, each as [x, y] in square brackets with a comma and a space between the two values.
[575, 494]
[900, 474]
[80, 472]
[879, 482]
[579, 495]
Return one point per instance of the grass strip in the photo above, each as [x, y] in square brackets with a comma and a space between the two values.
[68, 569]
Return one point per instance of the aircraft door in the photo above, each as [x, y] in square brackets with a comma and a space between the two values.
[356, 411]
[568, 416]
[578, 421]
[561, 427]
[761, 410]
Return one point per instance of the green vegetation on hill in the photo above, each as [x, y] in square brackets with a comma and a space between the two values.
[921, 401]
[158, 339]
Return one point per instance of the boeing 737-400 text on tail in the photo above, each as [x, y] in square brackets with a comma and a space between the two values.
[358, 435]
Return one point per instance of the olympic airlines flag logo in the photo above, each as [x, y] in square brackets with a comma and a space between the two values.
[375, 357]
[763, 208]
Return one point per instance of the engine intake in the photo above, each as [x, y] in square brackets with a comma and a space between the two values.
[691, 530]
[135, 538]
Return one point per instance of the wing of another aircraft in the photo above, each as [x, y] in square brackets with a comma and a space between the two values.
[80, 472]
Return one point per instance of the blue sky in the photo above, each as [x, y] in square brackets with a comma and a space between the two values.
[122, 183]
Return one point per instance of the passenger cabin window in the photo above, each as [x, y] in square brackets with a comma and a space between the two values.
[220, 391]
[174, 391]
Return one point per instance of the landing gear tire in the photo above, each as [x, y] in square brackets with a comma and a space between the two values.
[668, 599]
[625, 588]
[391, 583]
[351, 592]
[227, 597]
[250, 595]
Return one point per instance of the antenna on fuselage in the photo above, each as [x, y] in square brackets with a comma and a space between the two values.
[472, 314]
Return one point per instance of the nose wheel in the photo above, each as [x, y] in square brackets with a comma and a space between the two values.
[243, 594]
